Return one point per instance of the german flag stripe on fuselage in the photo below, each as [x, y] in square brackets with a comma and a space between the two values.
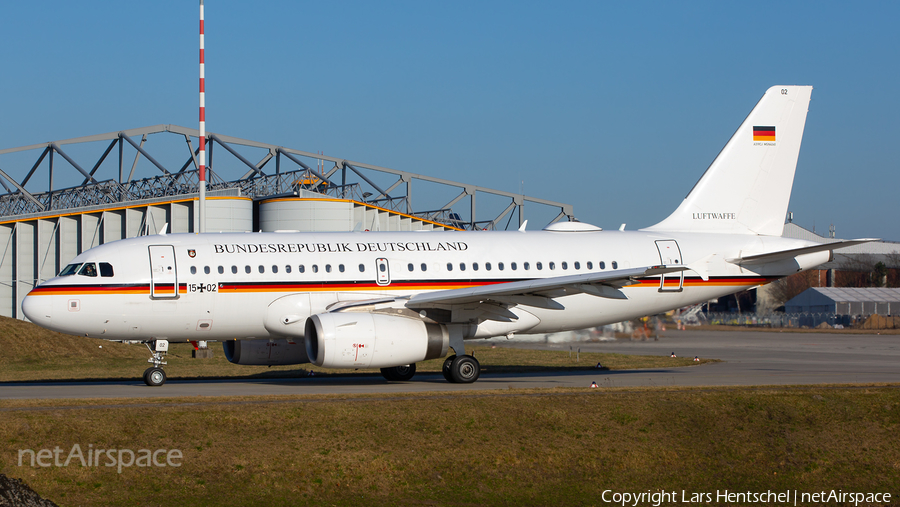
[369, 285]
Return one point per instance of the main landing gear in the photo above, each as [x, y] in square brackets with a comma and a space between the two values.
[461, 369]
[399, 373]
[456, 369]
[155, 375]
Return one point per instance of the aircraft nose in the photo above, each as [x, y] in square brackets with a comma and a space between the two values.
[37, 308]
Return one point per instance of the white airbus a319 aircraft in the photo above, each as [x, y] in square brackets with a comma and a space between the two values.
[390, 299]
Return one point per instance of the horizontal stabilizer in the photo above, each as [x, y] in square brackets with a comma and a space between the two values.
[794, 252]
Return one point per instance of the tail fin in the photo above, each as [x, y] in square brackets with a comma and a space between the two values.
[747, 187]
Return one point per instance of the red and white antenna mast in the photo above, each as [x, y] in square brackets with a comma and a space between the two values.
[201, 215]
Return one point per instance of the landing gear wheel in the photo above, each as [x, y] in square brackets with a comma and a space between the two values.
[399, 373]
[154, 377]
[445, 369]
[465, 369]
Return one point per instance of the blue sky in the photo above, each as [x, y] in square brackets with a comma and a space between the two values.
[616, 108]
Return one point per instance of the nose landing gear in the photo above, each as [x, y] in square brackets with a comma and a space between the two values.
[155, 375]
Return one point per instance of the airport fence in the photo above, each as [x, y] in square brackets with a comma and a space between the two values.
[780, 320]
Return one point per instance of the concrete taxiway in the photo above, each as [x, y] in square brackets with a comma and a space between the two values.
[750, 358]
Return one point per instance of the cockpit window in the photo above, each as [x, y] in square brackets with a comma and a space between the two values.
[71, 269]
[88, 269]
[106, 269]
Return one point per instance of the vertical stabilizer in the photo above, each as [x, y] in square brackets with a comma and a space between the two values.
[747, 187]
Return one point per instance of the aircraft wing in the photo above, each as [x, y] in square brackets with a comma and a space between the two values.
[541, 292]
[790, 254]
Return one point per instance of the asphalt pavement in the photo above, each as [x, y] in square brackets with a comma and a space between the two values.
[749, 358]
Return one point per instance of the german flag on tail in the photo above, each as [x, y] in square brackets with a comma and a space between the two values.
[763, 133]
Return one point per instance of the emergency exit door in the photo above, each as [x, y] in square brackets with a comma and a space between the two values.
[163, 277]
[670, 255]
[383, 270]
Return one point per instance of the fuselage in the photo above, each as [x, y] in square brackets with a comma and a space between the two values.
[184, 287]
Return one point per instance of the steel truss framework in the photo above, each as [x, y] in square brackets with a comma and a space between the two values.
[259, 181]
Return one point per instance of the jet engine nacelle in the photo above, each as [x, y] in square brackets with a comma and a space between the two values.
[265, 352]
[372, 340]
[287, 315]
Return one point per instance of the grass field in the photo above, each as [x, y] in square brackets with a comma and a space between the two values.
[28, 352]
[549, 447]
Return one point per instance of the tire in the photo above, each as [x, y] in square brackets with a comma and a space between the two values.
[399, 373]
[155, 377]
[445, 369]
[465, 369]
[147, 372]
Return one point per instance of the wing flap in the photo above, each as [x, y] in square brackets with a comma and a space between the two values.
[541, 292]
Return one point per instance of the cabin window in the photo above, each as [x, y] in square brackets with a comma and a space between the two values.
[513, 266]
[302, 268]
[234, 269]
[539, 265]
[475, 266]
[449, 266]
[565, 265]
[424, 267]
[590, 265]
[262, 269]
[577, 265]
[487, 266]
[462, 266]
[328, 268]
[106, 269]
[193, 270]
[206, 269]
[88, 269]
[287, 268]
[315, 268]
[274, 268]
[602, 265]
[410, 266]
[362, 268]
[341, 268]
[500, 266]
[248, 269]
[552, 265]
[221, 270]
[71, 269]
[615, 265]
[527, 266]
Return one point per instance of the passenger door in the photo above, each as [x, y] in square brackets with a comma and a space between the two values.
[163, 272]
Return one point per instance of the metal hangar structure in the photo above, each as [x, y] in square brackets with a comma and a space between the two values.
[133, 186]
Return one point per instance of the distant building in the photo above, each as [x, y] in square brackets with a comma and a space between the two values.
[853, 302]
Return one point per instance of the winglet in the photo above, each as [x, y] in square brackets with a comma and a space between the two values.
[522, 227]
[165, 228]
